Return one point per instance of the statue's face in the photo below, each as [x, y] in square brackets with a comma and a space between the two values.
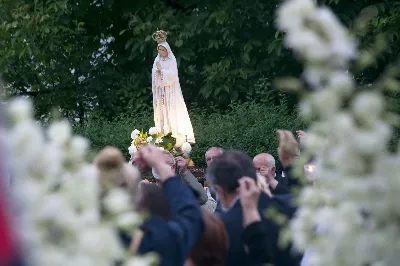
[162, 51]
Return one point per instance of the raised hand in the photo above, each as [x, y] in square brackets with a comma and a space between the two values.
[182, 165]
[249, 194]
[288, 146]
[151, 156]
[158, 65]
[300, 134]
[264, 171]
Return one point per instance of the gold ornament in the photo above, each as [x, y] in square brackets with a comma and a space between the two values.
[160, 36]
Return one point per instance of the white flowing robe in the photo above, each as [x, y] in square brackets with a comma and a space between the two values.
[170, 112]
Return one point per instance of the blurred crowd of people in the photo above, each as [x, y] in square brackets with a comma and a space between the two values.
[227, 223]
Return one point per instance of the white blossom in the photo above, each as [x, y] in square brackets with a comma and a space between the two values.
[354, 202]
[132, 149]
[159, 140]
[142, 261]
[60, 132]
[51, 160]
[117, 201]
[341, 82]
[20, 109]
[61, 195]
[26, 142]
[129, 220]
[315, 75]
[292, 13]
[186, 148]
[367, 107]
[153, 131]
[78, 147]
[326, 102]
[52, 256]
[81, 260]
[101, 242]
[149, 139]
[135, 134]
[369, 142]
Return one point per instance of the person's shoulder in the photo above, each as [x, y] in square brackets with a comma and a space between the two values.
[154, 222]
[156, 232]
[232, 215]
[285, 204]
[264, 200]
[284, 199]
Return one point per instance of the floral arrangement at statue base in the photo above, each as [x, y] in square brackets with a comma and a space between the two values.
[166, 142]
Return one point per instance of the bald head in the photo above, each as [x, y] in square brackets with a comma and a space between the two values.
[212, 153]
[264, 160]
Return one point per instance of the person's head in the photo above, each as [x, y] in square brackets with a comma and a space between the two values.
[212, 153]
[162, 51]
[114, 170]
[225, 171]
[151, 198]
[265, 164]
[211, 249]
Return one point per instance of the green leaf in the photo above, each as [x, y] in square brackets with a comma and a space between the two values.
[178, 43]
[186, 57]
[22, 53]
[134, 48]
[271, 47]
[35, 87]
[122, 32]
[246, 57]
[234, 96]
[129, 43]
[142, 48]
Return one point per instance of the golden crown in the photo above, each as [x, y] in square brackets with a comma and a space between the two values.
[160, 36]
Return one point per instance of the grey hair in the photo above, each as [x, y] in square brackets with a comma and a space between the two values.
[271, 160]
[221, 150]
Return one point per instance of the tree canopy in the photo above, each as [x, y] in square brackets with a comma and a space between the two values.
[80, 54]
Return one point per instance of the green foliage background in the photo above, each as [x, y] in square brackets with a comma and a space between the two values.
[92, 59]
[248, 126]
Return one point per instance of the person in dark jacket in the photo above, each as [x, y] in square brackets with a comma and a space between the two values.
[172, 239]
[225, 172]
[254, 234]
[210, 249]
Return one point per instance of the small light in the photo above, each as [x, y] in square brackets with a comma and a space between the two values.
[310, 172]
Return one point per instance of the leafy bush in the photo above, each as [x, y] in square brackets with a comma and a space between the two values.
[102, 132]
[246, 126]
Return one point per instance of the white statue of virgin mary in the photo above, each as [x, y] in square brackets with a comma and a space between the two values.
[170, 112]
